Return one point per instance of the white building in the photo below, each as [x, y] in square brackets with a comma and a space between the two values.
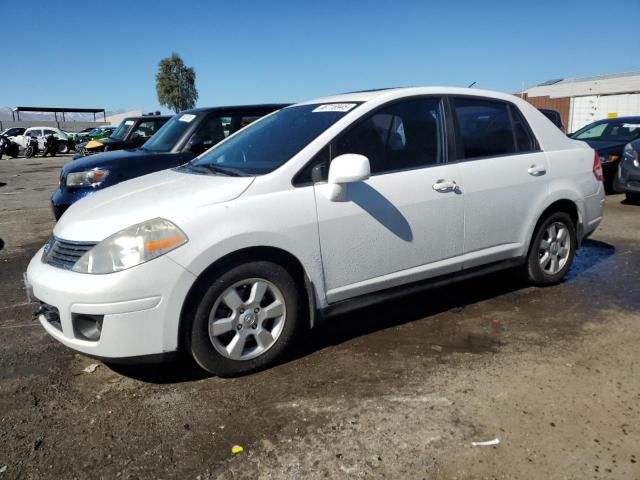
[581, 101]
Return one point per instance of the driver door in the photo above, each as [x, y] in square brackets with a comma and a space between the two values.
[398, 226]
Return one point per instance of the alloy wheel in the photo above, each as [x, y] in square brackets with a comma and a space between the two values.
[247, 319]
[554, 248]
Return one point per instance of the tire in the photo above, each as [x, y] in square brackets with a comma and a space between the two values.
[29, 152]
[246, 319]
[543, 272]
[63, 147]
[633, 197]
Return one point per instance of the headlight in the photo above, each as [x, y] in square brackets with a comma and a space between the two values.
[132, 246]
[631, 155]
[86, 179]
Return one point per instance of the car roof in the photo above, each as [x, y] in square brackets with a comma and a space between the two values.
[239, 108]
[369, 95]
[618, 119]
[147, 117]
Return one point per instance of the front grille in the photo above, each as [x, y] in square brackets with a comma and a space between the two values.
[63, 253]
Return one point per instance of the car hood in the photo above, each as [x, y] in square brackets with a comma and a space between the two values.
[168, 194]
[105, 160]
[111, 142]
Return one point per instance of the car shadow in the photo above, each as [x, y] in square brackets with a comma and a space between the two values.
[380, 208]
[389, 314]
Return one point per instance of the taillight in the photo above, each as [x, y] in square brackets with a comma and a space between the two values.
[597, 167]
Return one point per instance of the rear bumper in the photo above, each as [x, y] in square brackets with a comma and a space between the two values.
[593, 211]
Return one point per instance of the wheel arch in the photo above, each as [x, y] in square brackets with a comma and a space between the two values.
[559, 205]
[244, 255]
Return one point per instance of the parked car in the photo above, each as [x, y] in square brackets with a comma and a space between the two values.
[93, 133]
[185, 136]
[313, 210]
[627, 180]
[40, 134]
[554, 116]
[13, 132]
[131, 133]
[608, 137]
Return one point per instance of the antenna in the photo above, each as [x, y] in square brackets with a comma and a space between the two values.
[472, 84]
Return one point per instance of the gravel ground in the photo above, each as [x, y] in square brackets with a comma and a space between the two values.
[397, 391]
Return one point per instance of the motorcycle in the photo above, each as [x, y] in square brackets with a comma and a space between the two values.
[8, 147]
[32, 148]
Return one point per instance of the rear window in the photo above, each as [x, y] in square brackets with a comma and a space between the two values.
[484, 128]
[488, 128]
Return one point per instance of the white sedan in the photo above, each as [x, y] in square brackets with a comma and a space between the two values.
[313, 210]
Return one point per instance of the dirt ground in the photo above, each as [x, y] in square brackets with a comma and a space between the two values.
[398, 391]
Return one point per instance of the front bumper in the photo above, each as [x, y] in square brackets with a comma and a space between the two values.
[140, 307]
[627, 179]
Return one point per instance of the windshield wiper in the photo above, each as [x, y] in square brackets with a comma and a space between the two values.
[231, 172]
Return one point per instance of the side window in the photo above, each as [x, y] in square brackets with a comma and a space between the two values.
[484, 128]
[145, 129]
[213, 130]
[35, 133]
[525, 141]
[316, 170]
[48, 132]
[403, 135]
[247, 119]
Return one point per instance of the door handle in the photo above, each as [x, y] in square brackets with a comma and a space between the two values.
[445, 186]
[536, 170]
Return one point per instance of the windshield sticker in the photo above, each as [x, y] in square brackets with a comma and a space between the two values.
[129, 122]
[335, 107]
[187, 117]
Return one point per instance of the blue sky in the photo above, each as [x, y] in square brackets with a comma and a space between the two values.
[81, 54]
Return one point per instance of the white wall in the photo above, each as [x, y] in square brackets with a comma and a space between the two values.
[589, 108]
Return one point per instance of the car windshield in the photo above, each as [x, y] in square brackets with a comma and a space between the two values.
[169, 134]
[612, 131]
[270, 142]
[123, 129]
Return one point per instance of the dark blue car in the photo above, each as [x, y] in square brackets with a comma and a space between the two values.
[185, 136]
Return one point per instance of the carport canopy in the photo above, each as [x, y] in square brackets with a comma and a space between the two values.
[16, 111]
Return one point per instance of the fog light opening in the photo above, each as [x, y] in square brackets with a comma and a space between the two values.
[88, 327]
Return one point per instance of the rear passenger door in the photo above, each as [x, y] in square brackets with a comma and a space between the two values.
[503, 174]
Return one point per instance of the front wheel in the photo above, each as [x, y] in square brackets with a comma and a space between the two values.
[633, 197]
[245, 320]
[552, 250]
[63, 147]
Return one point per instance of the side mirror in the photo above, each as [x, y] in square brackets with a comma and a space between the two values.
[345, 169]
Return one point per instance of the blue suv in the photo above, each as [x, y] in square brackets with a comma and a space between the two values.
[185, 136]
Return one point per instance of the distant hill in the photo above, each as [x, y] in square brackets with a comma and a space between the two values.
[5, 114]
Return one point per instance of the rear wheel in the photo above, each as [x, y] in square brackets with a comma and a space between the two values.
[552, 250]
[245, 320]
[63, 147]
